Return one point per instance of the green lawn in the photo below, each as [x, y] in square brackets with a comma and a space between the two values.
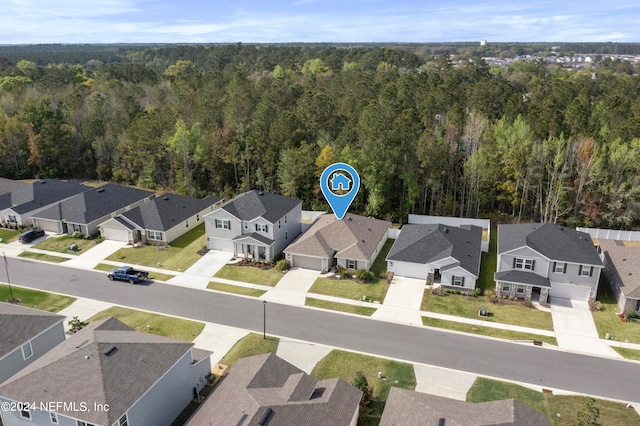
[42, 256]
[561, 410]
[9, 235]
[468, 307]
[36, 299]
[608, 322]
[236, 289]
[161, 325]
[628, 353]
[342, 307]
[182, 253]
[250, 274]
[488, 264]
[380, 264]
[250, 345]
[349, 289]
[61, 244]
[486, 331]
[345, 365]
[152, 274]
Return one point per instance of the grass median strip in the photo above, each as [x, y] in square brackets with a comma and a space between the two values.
[561, 410]
[147, 322]
[8, 235]
[42, 300]
[61, 244]
[341, 307]
[486, 331]
[250, 345]
[236, 289]
[152, 275]
[633, 354]
[42, 256]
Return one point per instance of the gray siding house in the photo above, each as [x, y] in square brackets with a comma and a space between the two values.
[622, 268]
[84, 212]
[255, 225]
[441, 254]
[108, 374]
[25, 335]
[351, 243]
[267, 390]
[541, 260]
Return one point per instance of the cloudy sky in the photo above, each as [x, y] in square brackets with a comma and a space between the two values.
[109, 21]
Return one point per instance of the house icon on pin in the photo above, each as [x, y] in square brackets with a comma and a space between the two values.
[340, 182]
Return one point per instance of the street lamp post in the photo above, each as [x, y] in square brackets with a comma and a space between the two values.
[264, 319]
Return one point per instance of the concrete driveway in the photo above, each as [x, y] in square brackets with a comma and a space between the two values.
[402, 302]
[575, 329]
[292, 288]
[199, 274]
[90, 258]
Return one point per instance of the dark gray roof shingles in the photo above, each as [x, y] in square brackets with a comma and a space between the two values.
[43, 193]
[253, 204]
[19, 324]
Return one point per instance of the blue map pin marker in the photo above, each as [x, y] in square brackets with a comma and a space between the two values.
[340, 184]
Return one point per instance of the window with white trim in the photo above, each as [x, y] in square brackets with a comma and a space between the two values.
[520, 289]
[457, 281]
[351, 264]
[12, 218]
[279, 223]
[81, 423]
[559, 267]
[54, 418]
[186, 223]
[520, 263]
[285, 219]
[197, 217]
[154, 235]
[506, 287]
[25, 413]
[223, 224]
[585, 270]
[123, 421]
[26, 350]
[261, 227]
[286, 235]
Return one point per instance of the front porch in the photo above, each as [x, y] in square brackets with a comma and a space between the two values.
[253, 247]
[522, 285]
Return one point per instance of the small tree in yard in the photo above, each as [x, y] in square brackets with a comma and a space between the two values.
[76, 325]
[361, 383]
[589, 414]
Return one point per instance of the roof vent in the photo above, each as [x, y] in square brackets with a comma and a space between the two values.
[110, 351]
[165, 198]
[265, 416]
[624, 260]
[446, 230]
[349, 218]
[261, 193]
[100, 190]
[441, 422]
[43, 181]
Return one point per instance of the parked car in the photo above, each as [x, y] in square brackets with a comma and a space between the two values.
[127, 273]
[32, 234]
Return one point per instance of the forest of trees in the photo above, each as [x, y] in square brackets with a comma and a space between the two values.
[527, 142]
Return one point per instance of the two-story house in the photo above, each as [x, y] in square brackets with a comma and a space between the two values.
[544, 260]
[107, 374]
[255, 224]
[26, 335]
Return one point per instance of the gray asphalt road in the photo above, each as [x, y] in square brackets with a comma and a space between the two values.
[545, 367]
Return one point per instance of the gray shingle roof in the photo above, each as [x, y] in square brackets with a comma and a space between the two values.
[166, 211]
[42, 193]
[9, 185]
[354, 237]
[81, 370]
[625, 260]
[409, 408]
[522, 277]
[256, 236]
[252, 204]
[553, 241]
[266, 382]
[93, 204]
[19, 324]
[429, 243]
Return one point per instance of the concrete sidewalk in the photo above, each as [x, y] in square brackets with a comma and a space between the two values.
[199, 274]
[292, 287]
[402, 302]
[83, 309]
[575, 329]
[443, 381]
[303, 355]
[218, 339]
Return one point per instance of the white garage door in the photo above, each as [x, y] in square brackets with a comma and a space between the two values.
[570, 291]
[306, 262]
[49, 225]
[220, 244]
[409, 270]
[115, 234]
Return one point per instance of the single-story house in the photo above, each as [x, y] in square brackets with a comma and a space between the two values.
[440, 254]
[622, 268]
[267, 390]
[162, 219]
[84, 212]
[409, 408]
[21, 204]
[351, 243]
[120, 376]
[543, 259]
[254, 225]
[9, 185]
[25, 335]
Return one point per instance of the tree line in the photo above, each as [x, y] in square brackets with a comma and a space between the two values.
[529, 141]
